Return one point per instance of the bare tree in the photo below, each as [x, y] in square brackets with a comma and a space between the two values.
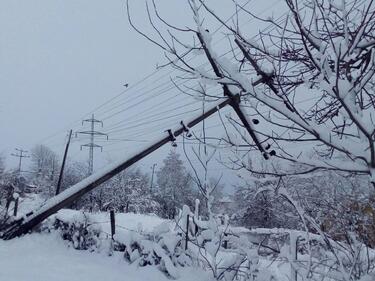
[44, 161]
[309, 79]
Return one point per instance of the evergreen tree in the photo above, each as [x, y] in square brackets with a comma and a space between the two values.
[174, 185]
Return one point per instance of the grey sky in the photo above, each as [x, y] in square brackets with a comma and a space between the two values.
[61, 59]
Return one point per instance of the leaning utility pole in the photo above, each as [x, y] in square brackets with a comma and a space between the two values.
[63, 163]
[68, 196]
[91, 145]
[20, 155]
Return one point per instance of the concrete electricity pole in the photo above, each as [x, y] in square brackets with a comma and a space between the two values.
[20, 154]
[91, 145]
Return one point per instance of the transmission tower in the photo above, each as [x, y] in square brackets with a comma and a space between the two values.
[91, 145]
[20, 154]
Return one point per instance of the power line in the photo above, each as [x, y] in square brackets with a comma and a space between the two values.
[138, 83]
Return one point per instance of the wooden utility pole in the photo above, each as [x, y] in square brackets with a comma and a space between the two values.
[152, 175]
[68, 196]
[63, 163]
[20, 155]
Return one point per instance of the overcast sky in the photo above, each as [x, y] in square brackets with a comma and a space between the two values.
[59, 60]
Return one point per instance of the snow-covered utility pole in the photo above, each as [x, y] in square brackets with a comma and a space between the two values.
[68, 196]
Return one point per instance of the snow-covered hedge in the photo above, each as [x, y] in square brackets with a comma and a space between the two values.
[229, 253]
[79, 231]
[160, 247]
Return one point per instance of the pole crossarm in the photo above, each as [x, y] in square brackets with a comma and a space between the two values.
[68, 196]
[91, 145]
[92, 133]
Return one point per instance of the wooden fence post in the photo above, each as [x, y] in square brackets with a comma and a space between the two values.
[15, 207]
[196, 215]
[225, 244]
[113, 223]
[293, 255]
[187, 233]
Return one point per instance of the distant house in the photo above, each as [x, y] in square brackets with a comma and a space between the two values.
[30, 188]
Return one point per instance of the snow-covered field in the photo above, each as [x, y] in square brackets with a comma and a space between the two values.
[46, 257]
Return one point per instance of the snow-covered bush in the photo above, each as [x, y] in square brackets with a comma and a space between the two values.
[156, 252]
[78, 230]
[229, 253]
[161, 248]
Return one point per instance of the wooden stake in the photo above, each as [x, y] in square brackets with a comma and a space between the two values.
[15, 207]
[187, 233]
[113, 223]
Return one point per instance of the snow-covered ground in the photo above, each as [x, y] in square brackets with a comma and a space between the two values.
[46, 257]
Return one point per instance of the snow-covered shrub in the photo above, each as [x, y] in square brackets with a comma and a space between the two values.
[207, 243]
[162, 248]
[79, 231]
[147, 252]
